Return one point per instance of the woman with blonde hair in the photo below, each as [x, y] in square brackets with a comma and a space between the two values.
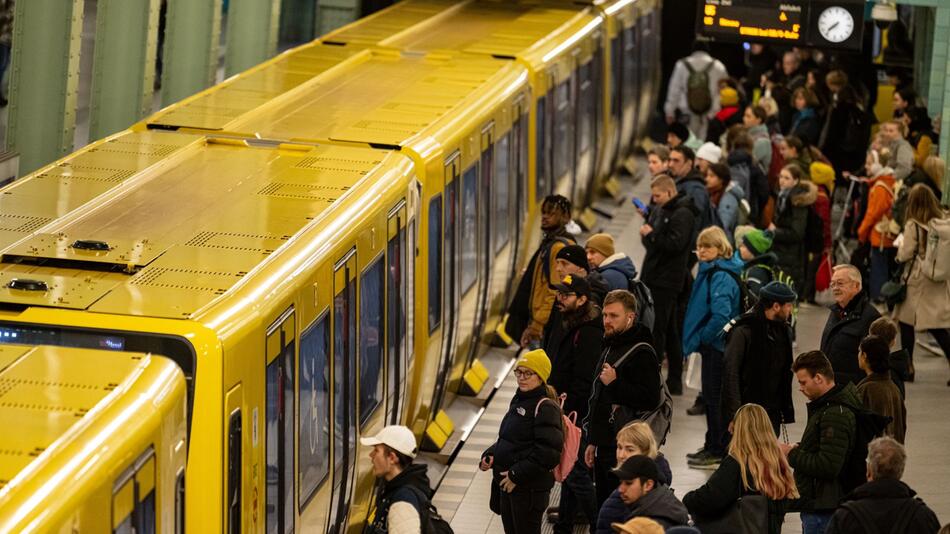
[714, 301]
[927, 305]
[755, 465]
[634, 439]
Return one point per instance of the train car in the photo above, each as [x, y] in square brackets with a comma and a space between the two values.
[94, 440]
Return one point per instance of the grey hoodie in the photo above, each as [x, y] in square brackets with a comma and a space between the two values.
[661, 506]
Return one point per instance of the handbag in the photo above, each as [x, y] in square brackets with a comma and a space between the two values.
[748, 515]
[894, 291]
[659, 418]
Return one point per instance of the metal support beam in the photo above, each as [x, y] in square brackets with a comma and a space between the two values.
[298, 21]
[252, 33]
[123, 73]
[190, 55]
[44, 79]
[331, 14]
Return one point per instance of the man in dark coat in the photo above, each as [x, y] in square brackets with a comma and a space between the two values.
[571, 260]
[829, 436]
[691, 182]
[884, 504]
[629, 381]
[758, 360]
[404, 495]
[848, 323]
[645, 496]
[666, 238]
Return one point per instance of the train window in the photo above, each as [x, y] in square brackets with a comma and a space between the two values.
[585, 115]
[133, 497]
[616, 63]
[435, 263]
[235, 462]
[596, 102]
[314, 422]
[123, 506]
[469, 239]
[541, 170]
[344, 387]
[500, 222]
[180, 502]
[279, 377]
[371, 339]
[562, 129]
[522, 207]
[409, 280]
[396, 320]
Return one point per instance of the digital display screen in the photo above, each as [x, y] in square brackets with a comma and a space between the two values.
[62, 338]
[754, 20]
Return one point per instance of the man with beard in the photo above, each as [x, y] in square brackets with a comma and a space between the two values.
[628, 383]
[758, 361]
[531, 306]
[571, 261]
[572, 372]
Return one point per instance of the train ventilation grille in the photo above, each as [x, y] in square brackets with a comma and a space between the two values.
[262, 243]
[215, 282]
[133, 148]
[68, 171]
[22, 223]
[403, 128]
[317, 192]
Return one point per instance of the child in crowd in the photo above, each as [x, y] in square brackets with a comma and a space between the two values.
[759, 261]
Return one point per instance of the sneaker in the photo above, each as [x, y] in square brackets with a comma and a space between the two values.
[698, 454]
[698, 408]
[706, 461]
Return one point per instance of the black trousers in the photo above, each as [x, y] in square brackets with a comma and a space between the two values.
[523, 511]
[577, 490]
[942, 336]
[666, 333]
[605, 482]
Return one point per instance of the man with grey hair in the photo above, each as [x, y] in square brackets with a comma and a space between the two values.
[884, 504]
[850, 318]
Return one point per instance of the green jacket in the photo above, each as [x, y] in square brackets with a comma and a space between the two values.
[824, 448]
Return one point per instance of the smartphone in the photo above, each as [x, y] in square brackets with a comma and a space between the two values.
[641, 207]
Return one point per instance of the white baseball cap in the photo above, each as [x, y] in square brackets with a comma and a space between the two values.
[709, 152]
[398, 437]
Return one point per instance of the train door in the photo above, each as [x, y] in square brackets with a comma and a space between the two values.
[279, 424]
[234, 460]
[344, 389]
[483, 216]
[450, 282]
[517, 178]
[396, 314]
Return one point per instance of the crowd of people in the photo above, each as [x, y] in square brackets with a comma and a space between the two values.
[737, 234]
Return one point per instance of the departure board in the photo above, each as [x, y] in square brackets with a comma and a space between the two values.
[817, 23]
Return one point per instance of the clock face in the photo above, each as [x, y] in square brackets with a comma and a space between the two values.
[836, 24]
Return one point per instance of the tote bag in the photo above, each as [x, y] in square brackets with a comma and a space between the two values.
[748, 515]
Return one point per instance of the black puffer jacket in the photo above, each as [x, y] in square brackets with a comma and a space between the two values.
[843, 333]
[883, 501]
[791, 220]
[758, 367]
[670, 244]
[528, 447]
[412, 486]
[637, 385]
[574, 358]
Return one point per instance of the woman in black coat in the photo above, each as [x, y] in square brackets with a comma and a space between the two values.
[529, 446]
[795, 198]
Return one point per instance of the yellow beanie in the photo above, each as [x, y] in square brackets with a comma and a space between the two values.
[822, 174]
[728, 97]
[602, 243]
[537, 361]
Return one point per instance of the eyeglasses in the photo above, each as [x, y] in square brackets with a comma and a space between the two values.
[563, 296]
[524, 374]
[840, 283]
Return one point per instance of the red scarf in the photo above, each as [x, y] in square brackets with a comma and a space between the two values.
[715, 194]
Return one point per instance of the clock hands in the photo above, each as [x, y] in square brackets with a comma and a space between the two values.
[833, 26]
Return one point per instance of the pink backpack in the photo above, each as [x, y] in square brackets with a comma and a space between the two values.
[572, 439]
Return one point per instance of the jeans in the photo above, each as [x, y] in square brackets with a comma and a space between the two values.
[666, 336]
[717, 438]
[577, 489]
[883, 264]
[605, 482]
[522, 511]
[815, 522]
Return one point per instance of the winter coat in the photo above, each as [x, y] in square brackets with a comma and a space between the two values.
[928, 303]
[884, 501]
[880, 202]
[399, 506]
[751, 178]
[826, 443]
[922, 143]
[762, 146]
[902, 159]
[528, 447]
[759, 271]
[617, 270]
[880, 395]
[758, 367]
[712, 303]
[716, 497]
[668, 246]
[598, 287]
[806, 126]
[677, 89]
[842, 335]
[844, 141]
[728, 209]
[531, 306]
[574, 358]
[614, 510]
[718, 126]
[791, 219]
[661, 506]
[694, 186]
[637, 386]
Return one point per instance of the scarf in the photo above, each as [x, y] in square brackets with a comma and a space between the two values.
[715, 194]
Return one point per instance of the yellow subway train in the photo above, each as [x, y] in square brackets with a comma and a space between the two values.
[324, 244]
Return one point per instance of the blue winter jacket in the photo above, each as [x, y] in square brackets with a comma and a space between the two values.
[617, 270]
[713, 302]
[615, 511]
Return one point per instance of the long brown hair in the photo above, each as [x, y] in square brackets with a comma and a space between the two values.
[755, 449]
[922, 205]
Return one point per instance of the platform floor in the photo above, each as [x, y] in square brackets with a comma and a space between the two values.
[463, 495]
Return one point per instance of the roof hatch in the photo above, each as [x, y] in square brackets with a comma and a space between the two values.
[93, 253]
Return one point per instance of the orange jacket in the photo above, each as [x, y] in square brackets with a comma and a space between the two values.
[880, 201]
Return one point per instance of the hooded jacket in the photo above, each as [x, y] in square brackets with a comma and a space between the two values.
[751, 178]
[728, 209]
[880, 202]
[826, 443]
[762, 146]
[842, 335]
[791, 220]
[712, 303]
[806, 126]
[694, 186]
[883, 501]
[758, 367]
[574, 358]
[400, 503]
[617, 269]
[669, 245]
[614, 510]
[759, 271]
[637, 386]
[661, 506]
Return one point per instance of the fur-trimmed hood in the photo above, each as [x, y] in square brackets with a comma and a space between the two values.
[804, 194]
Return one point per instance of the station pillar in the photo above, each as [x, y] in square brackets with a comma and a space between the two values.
[190, 55]
[252, 33]
[331, 14]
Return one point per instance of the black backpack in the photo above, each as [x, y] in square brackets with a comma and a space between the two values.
[868, 425]
[814, 232]
[431, 521]
[644, 301]
[747, 299]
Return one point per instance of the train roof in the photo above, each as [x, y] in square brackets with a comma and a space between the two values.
[390, 21]
[177, 232]
[56, 397]
[377, 97]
